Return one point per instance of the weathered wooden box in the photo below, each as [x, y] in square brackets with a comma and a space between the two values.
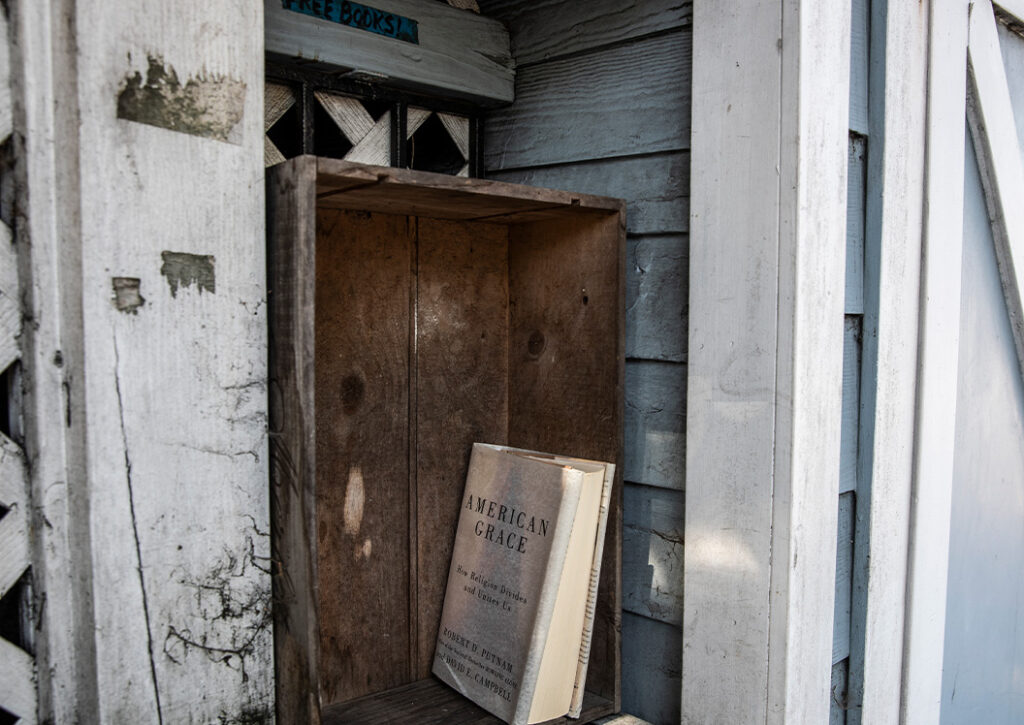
[412, 314]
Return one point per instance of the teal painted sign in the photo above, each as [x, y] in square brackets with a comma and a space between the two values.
[362, 17]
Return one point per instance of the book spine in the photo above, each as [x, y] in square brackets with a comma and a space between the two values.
[576, 704]
[571, 487]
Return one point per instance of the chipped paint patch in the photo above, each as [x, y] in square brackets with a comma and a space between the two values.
[184, 270]
[210, 106]
[127, 298]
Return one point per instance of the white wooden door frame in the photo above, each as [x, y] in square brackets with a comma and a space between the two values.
[767, 233]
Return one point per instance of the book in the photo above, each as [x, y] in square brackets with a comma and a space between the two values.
[518, 613]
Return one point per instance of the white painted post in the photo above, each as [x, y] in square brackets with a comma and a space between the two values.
[895, 204]
[938, 361]
[142, 192]
[768, 223]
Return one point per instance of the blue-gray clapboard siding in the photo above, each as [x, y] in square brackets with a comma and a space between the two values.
[854, 307]
[603, 106]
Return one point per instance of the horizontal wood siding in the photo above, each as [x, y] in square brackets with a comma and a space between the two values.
[602, 107]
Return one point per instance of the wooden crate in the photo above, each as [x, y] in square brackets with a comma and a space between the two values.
[412, 314]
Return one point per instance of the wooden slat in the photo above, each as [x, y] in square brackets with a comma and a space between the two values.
[291, 283]
[10, 328]
[861, 11]
[589, 107]
[430, 702]
[17, 683]
[276, 102]
[994, 132]
[656, 188]
[851, 403]
[651, 653]
[655, 424]
[443, 60]
[414, 118]
[855, 190]
[844, 578]
[342, 184]
[458, 129]
[543, 29]
[349, 114]
[6, 106]
[14, 551]
[375, 147]
[271, 153]
[363, 289]
[566, 375]
[657, 276]
[12, 474]
[462, 382]
[652, 553]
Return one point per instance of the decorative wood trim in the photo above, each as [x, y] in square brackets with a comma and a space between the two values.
[994, 132]
[938, 357]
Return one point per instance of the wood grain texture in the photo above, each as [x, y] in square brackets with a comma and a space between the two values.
[844, 578]
[939, 354]
[839, 695]
[656, 187]
[657, 273]
[651, 653]
[17, 683]
[6, 105]
[363, 302]
[430, 702]
[652, 553]
[859, 40]
[566, 376]
[655, 423]
[292, 409]
[855, 198]
[616, 102]
[848, 453]
[442, 62]
[548, 29]
[461, 392]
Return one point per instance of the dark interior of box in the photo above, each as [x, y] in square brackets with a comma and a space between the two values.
[431, 334]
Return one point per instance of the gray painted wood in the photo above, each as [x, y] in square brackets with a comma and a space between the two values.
[656, 187]
[655, 423]
[844, 578]
[857, 159]
[851, 404]
[652, 553]
[657, 273]
[618, 102]
[545, 29]
[651, 656]
[859, 66]
[443, 62]
[838, 704]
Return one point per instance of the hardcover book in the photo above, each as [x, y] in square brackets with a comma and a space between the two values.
[522, 587]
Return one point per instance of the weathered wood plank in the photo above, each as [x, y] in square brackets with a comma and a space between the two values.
[656, 188]
[6, 106]
[655, 423]
[994, 132]
[851, 403]
[657, 276]
[14, 551]
[17, 683]
[839, 696]
[652, 553]
[291, 265]
[443, 60]
[855, 191]
[364, 287]
[618, 102]
[461, 393]
[12, 473]
[10, 306]
[651, 653]
[938, 365]
[860, 16]
[844, 578]
[549, 28]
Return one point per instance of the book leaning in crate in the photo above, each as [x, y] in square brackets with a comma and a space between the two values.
[522, 587]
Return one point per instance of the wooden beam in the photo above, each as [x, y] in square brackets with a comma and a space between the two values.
[764, 390]
[994, 133]
[938, 358]
[459, 54]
